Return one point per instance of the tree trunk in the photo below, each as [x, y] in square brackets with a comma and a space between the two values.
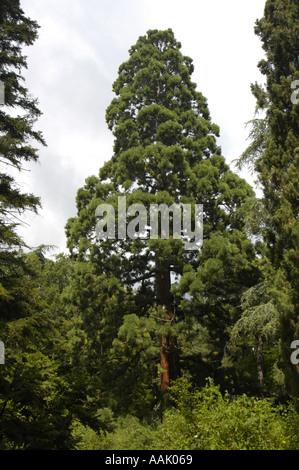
[168, 349]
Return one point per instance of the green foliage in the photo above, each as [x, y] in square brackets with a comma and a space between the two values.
[33, 408]
[89, 338]
[85, 437]
[259, 317]
[254, 349]
[202, 420]
[17, 118]
[35, 384]
[207, 420]
[129, 433]
[273, 154]
[165, 152]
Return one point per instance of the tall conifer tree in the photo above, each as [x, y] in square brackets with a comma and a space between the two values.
[17, 116]
[165, 152]
[274, 153]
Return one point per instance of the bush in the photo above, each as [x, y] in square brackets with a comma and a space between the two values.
[202, 420]
[128, 434]
[207, 420]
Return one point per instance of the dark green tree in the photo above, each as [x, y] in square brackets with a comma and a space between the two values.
[274, 156]
[254, 344]
[36, 384]
[17, 117]
[33, 413]
[165, 152]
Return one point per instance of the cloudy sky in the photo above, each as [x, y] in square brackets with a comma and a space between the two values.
[71, 68]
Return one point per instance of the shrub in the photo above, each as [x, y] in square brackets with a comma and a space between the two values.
[202, 420]
[207, 420]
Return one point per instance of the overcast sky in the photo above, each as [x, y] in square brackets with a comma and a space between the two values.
[74, 62]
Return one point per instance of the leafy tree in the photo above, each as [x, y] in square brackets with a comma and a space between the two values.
[273, 153]
[165, 152]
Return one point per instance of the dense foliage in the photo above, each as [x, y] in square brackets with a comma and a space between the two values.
[17, 120]
[273, 153]
[201, 420]
[138, 342]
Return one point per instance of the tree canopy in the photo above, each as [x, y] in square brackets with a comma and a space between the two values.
[171, 322]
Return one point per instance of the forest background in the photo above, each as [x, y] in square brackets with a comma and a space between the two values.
[140, 344]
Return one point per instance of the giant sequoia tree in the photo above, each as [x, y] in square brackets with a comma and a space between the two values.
[165, 152]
